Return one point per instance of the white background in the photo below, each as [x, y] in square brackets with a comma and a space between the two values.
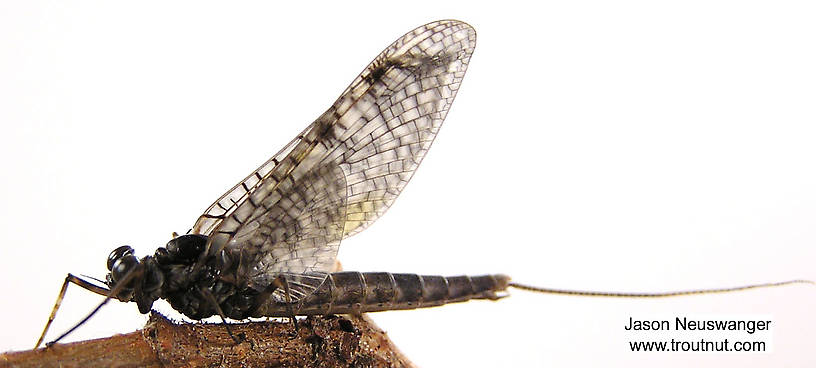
[628, 146]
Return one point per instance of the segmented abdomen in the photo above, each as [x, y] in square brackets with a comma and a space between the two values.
[360, 292]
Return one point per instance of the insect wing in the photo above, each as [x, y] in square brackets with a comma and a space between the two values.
[394, 110]
[347, 168]
[298, 236]
[230, 200]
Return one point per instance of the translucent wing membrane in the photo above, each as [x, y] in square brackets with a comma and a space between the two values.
[295, 229]
[229, 201]
[345, 170]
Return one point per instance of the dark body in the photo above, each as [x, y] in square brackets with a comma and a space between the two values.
[358, 292]
[172, 273]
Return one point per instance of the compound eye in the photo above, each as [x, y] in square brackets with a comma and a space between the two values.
[122, 266]
[118, 253]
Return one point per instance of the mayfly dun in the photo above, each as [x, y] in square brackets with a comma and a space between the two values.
[267, 247]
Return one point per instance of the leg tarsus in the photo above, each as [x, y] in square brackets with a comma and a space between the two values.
[280, 282]
[53, 315]
[71, 279]
[210, 298]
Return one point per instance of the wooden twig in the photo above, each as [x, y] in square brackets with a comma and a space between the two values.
[333, 341]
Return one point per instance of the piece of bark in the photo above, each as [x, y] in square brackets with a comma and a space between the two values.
[333, 341]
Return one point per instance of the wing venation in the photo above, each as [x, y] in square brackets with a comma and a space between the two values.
[347, 168]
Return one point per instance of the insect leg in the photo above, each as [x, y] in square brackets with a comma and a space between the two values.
[136, 271]
[77, 281]
[280, 282]
[210, 298]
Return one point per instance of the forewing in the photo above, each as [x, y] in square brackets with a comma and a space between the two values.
[392, 112]
[300, 226]
[364, 148]
[230, 200]
[297, 234]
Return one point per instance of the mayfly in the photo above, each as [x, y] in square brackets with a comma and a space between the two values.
[266, 248]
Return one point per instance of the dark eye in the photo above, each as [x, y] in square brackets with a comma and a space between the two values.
[118, 253]
[122, 266]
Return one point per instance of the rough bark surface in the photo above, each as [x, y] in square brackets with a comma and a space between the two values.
[333, 341]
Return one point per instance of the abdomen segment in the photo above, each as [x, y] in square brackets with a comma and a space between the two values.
[360, 292]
